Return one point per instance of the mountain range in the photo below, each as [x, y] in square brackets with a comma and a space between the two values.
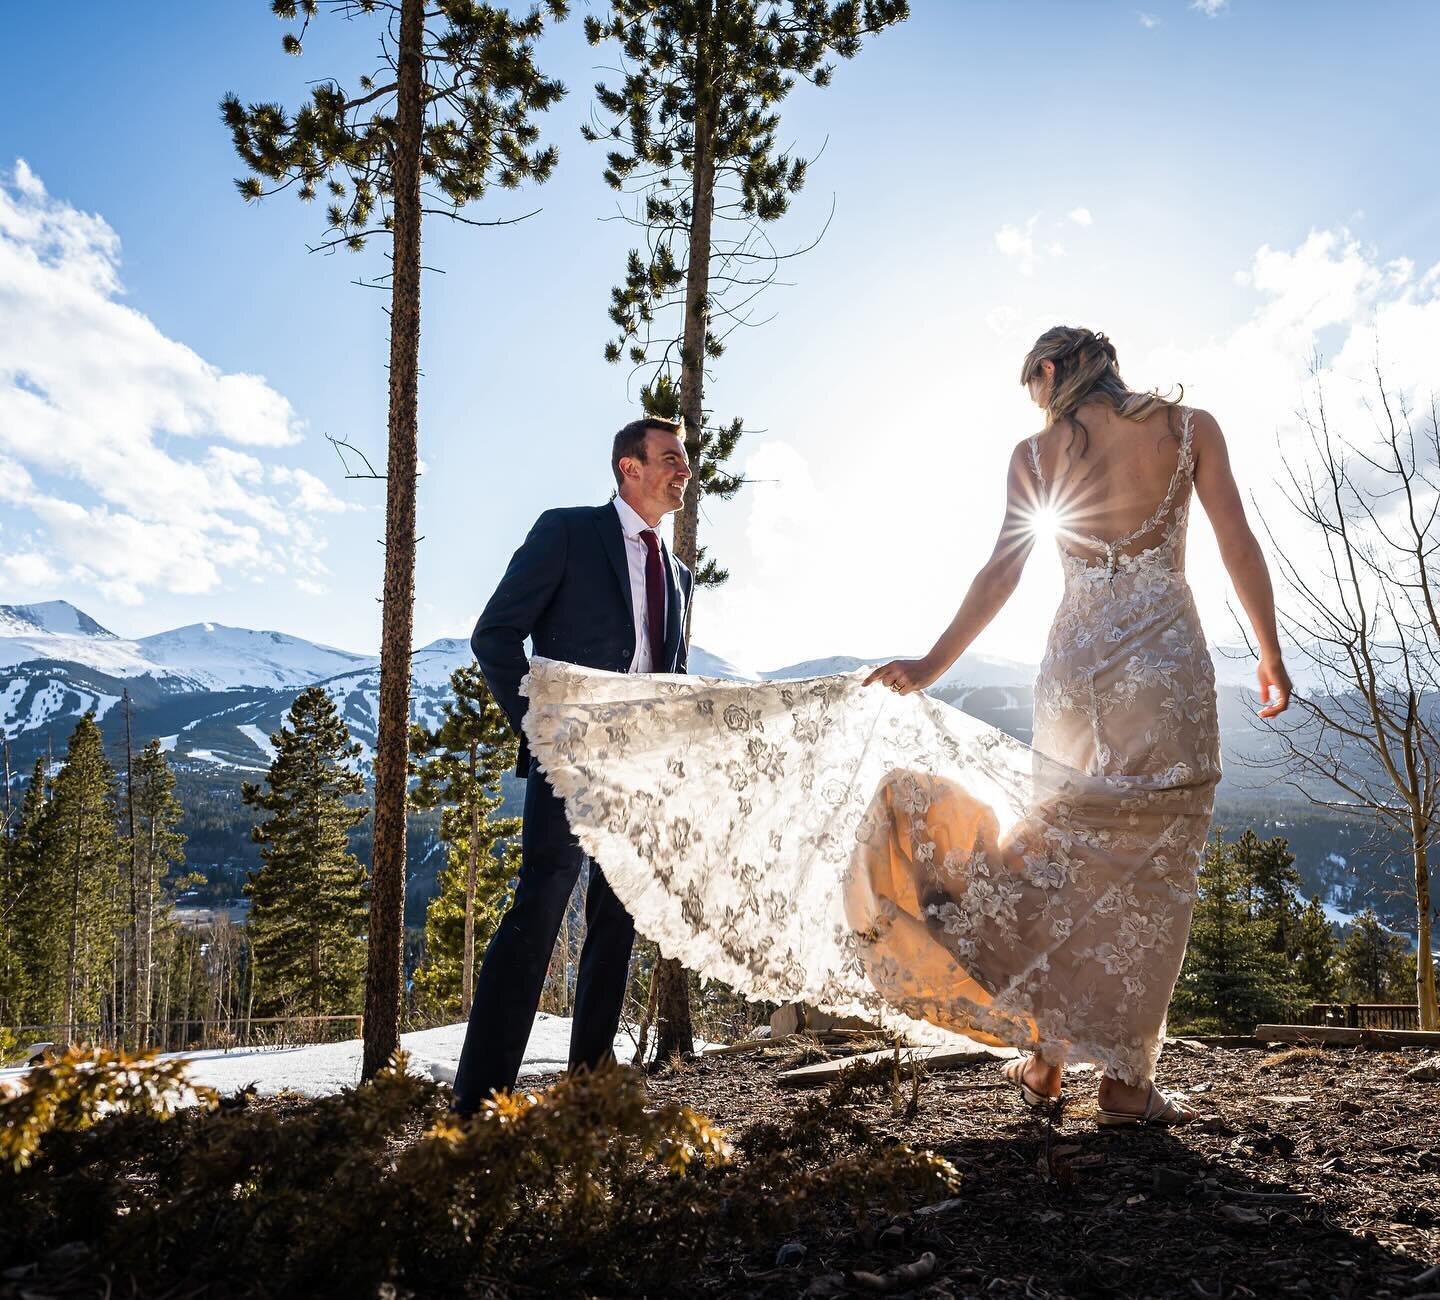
[213, 695]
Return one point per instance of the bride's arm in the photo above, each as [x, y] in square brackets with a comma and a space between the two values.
[1244, 560]
[989, 590]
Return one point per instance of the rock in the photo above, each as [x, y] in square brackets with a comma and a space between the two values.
[820, 1022]
[1168, 1181]
[787, 1020]
[1242, 1215]
[1188, 1044]
[940, 1207]
[790, 1254]
[1425, 1072]
[1216, 1126]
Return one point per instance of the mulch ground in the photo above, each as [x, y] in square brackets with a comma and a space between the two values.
[1317, 1174]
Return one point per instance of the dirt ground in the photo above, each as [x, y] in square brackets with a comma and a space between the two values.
[1316, 1174]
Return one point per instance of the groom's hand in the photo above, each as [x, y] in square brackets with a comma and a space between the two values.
[904, 675]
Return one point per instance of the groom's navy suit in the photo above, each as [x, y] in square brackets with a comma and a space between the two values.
[568, 589]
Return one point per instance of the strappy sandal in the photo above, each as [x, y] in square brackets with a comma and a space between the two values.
[1013, 1072]
[1160, 1110]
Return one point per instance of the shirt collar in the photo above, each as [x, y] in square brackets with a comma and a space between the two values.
[631, 524]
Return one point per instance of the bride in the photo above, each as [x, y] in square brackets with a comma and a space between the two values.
[878, 853]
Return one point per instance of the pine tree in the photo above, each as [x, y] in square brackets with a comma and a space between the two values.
[84, 844]
[307, 912]
[156, 848]
[439, 979]
[451, 119]
[1373, 962]
[463, 761]
[39, 927]
[693, 121]
[1315, 962]
[1272, 887]
[1232, 977]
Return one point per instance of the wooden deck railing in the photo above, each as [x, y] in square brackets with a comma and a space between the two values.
[1362, 1015]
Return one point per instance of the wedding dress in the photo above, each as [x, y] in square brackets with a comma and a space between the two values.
[891, 857]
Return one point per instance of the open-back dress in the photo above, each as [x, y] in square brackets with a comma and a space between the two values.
[892, 857]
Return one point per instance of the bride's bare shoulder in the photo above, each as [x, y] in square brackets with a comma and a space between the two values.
[1205, 432]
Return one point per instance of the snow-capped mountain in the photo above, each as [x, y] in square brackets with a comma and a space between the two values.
[202, 656]
[220, 658]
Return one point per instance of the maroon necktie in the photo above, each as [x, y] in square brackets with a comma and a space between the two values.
[655, 600]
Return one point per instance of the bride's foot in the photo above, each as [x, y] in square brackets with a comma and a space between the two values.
[1038, 1082]
[1126, 1103]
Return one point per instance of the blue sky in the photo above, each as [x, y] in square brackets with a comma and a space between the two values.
[1222, 192]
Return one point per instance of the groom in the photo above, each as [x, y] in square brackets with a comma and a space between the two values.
[591, 585]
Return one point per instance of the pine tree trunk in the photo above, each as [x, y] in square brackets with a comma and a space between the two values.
[147, 961]
[673, 1032]
[132, 973]
[1424, 959]
[72, 948]
[384, 968]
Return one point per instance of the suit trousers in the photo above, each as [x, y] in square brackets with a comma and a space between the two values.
[512, 975]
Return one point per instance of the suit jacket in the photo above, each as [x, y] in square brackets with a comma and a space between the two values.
[568, 589]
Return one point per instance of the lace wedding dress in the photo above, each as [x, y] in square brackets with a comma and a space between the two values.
[892, 857]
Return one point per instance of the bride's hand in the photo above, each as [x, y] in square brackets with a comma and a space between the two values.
[904, 675]
[1275, 686]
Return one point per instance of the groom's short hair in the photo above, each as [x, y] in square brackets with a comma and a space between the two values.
[630, 441]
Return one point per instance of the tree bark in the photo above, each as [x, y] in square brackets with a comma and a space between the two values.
[1424, 959]
[384, 968]
[674, 1034]
[132, 974]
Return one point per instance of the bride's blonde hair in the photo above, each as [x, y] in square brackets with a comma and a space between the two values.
[1086, 371]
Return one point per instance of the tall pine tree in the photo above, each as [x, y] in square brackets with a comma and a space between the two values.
[448, 115]
[691, 130]
[1315, 962]
[460, 768]
[82, 842]
[38, 924]
[1272, 887]
[307, 913]
[157, 848]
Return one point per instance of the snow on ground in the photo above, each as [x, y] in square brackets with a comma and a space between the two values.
[328, 1067]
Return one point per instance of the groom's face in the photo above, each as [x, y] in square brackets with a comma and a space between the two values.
[657, 483]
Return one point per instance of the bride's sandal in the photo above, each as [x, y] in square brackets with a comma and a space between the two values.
[1160, 1110]
[1013, 1072]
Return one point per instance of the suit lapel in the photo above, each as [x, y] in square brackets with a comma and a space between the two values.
[607, 522]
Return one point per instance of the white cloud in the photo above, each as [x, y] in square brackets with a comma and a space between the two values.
[1210, 8]
[1018, 244]
[890, 513]
[124, 446]
[1148, 21]
[1081, 216]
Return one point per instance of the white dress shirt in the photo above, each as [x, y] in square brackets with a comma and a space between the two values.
[632, 525]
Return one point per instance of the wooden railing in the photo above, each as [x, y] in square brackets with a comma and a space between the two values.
[1362, 1015]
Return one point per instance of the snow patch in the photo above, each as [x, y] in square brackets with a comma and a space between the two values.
[261, 739]
[328, 1067]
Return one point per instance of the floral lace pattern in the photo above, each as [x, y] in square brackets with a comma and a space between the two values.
[894, 858]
